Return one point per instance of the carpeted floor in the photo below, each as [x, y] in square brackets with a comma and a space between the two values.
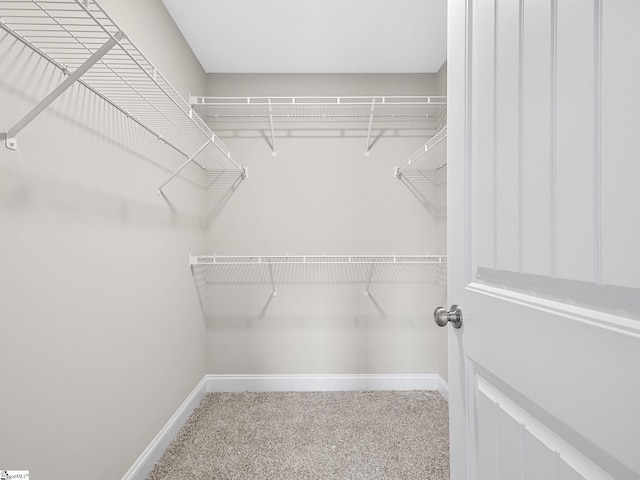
[319, 435]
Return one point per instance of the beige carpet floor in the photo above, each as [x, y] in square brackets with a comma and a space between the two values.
[318, 435]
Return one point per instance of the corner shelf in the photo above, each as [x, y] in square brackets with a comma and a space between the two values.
[426, 154]
[282, 112]
[81, 39]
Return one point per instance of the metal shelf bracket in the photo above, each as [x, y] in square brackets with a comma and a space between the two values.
[189, 160]
[10, 135]
[368, 147]
[273, 142]
[274, 292]
[366, 290]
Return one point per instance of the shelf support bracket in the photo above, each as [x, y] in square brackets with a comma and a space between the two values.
[273, 141]
[366, 290]
[10, 136]
[373, 104]
[274, 292]
[189, 160]
[195, 282]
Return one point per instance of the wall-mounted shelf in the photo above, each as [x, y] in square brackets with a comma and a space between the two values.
[82, 40]
[424, 173]
[393, 112]
[316, 259]
[250, 276]
[423, 157]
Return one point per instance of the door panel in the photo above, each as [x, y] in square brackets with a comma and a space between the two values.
[526, 448]
[486, 431]
[620, 134]
[542, 461]
[575, 140]
[576, 376]
[543, 373]
[507, 114]
[483, 142]
[536, 141]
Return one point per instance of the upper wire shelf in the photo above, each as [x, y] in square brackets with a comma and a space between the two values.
[281, 112]
[324, 109]
[83, 41]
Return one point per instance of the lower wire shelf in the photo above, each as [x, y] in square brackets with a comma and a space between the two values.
[315, 259]
[229, 284]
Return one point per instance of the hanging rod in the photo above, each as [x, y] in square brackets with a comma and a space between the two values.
[83, 41]
[316, 259]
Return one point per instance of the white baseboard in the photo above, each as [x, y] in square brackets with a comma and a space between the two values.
[147, 460]
[315, 383]
[276, 383]
[443, 388]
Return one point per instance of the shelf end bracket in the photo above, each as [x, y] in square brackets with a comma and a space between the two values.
[10, 142]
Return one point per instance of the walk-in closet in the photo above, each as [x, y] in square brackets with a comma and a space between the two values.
[227, 228]
[169, 232]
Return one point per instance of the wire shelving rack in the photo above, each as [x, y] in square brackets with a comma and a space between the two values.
[250, 277]
[282, 112]
[83, 41]
[207, 262]
[315, 259]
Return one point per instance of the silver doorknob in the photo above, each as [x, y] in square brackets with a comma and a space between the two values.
[442, 317]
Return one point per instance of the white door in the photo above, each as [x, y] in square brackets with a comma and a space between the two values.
[544, 238]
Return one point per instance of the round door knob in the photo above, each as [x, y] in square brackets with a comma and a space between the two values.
[442, 316]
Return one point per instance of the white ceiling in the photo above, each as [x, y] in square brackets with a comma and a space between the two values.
[314, 36]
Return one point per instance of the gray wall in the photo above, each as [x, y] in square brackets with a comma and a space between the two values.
[441, 80]
[219, 84]
[321, 195]
[102, 336]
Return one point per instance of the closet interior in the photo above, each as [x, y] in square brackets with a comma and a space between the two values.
[160, 228]
[83, 41]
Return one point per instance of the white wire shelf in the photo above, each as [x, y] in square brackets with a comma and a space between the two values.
[424, 155]
[316, 259]
[324, 109]
[229, 285]
[282, 112]
[83, 41]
